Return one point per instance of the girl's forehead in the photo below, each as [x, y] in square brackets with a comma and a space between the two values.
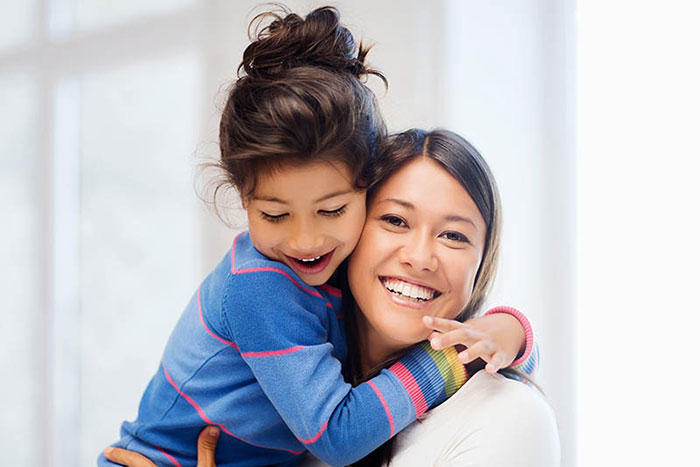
[311, 181]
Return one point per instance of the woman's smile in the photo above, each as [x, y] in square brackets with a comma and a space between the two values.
[418, 255]
[408, 293]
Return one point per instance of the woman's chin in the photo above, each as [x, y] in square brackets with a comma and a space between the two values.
[405, 334]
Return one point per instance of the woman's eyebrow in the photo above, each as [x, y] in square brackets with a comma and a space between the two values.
[400, 202]
[448, 218]
[455, 218]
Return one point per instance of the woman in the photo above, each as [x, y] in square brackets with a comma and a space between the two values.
[432, 230]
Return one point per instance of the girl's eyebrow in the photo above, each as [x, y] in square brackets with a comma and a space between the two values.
[333, 195]
[274, 199]
[449, 218]
[269, 198]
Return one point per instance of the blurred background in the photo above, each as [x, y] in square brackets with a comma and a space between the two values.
[588, 113]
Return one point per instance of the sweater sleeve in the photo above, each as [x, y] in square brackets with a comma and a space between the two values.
[529, 358]
[286, 346]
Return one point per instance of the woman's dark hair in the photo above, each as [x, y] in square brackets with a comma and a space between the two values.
[300, 97]
[461, 160]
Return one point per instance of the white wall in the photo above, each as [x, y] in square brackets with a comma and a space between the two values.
[499, 72]
[638, 226]
[509, 88]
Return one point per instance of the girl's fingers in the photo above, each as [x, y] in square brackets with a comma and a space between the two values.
[466, 357]
[498, 361]
[483, 349]
[128, 458]
[441, 324]
[461, 335]
[206, 447]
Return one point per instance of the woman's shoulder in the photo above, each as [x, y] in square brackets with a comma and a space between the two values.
[488, 398]
[492, 418]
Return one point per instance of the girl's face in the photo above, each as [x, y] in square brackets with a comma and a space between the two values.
[308, 217]
[419, 253]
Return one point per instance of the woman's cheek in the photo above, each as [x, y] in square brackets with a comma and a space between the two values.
[463, 277]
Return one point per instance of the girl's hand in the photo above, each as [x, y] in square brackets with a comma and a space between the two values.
[495, 338]
[206, 446]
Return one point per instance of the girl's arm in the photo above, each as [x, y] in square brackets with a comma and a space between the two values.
[282, 333]
[503, 338]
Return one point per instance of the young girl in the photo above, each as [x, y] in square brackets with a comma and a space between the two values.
[258, 350]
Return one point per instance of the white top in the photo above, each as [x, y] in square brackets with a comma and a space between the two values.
[492, 421]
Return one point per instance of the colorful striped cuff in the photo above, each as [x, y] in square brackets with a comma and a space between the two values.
[430, 376]
[529, 337]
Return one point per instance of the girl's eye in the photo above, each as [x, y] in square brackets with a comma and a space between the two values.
[334, 212]
[271, 218]
[455, 237]
[396, 221]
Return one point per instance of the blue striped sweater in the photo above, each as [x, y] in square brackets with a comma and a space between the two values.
[258, 353]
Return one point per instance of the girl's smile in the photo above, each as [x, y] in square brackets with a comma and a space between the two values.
[312, 264]
[307, 216]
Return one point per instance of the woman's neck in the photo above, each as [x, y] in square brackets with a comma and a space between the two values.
[375, 349]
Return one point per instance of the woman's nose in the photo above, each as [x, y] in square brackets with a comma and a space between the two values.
[419, 254]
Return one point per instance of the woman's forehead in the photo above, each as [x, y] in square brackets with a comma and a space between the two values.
[423, 186]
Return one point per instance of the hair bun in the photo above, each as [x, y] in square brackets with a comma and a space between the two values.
[290, 41]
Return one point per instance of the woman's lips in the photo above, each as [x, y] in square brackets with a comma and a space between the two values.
[312, 265]
[408, 294]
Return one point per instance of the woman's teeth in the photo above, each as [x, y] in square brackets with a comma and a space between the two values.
[408, 290]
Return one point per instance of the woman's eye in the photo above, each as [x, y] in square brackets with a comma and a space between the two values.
[334, 212]
[271, 218]
[394, 220]
[455, 237]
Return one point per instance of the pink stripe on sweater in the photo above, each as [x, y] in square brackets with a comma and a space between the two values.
[316, 436]
[285, 274]
[233, 252]
[334, 291]
[273, 353]
[208, 421]
[170, 458]
[315, 293]
[525, 323]
[412, 387]
[386, 407]
[201, 318]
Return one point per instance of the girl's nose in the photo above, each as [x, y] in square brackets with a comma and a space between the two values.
[305, 239]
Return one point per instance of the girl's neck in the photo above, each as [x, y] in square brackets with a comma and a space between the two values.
[375, 349]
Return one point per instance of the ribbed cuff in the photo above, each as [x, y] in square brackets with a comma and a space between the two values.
[529, 337]
[430, 376]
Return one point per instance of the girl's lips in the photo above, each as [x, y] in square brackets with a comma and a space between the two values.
[314, 267]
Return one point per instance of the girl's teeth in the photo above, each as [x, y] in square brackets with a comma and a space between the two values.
[309, 260]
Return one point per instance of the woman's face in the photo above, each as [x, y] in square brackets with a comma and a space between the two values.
[418, 255]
